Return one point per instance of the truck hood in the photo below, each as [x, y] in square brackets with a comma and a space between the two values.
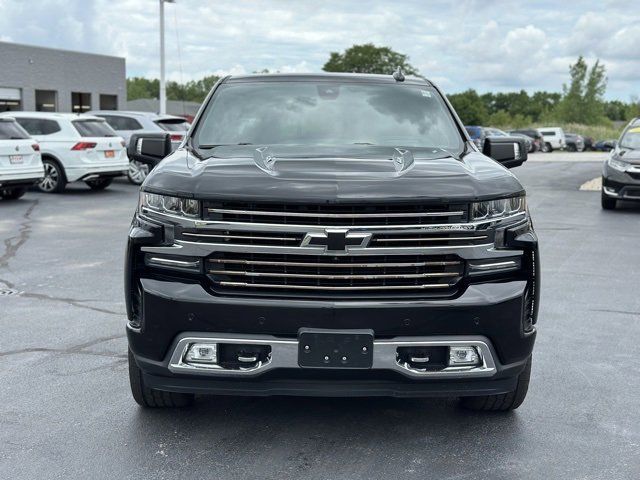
[329, 174]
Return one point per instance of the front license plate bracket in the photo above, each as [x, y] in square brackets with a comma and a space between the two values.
[323, 348]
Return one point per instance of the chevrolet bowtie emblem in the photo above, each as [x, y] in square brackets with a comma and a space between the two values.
[336, 240]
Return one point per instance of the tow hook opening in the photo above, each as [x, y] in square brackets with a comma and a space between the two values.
[239, 356]
[423, 358]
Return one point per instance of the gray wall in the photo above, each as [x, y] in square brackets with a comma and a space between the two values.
[36, 68]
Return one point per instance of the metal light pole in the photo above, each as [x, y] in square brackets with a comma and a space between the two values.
[163, 88]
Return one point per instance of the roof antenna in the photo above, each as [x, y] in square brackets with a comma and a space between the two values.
[398, 76]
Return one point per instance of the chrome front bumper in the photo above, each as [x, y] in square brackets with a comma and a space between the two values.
[284, 355]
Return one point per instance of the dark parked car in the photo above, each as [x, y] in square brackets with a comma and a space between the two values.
[575, 142]
[621, 171]
[588, 142]
[605, 145]
[528, 140]
[539, 144]
[334, 235]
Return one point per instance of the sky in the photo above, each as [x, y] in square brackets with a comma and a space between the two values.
[490, 45]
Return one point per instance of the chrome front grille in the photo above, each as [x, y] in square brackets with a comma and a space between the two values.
[335, 215]
[322, 275]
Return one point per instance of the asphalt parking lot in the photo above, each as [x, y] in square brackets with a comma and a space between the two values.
[66, 411]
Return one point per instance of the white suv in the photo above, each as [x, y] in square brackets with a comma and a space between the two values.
[127, 123]
[20, 160]
[553, 137]
[75, 148]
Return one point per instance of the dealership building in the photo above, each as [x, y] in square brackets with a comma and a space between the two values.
[50, 80]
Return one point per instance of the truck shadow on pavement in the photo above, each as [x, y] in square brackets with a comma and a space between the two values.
[323, 430]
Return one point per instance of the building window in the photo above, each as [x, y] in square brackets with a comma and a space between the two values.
[108, 102]
[46, 100]
[80, 102]
[10, 99]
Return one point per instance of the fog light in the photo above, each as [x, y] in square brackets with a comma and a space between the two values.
[463, 356]
[202, 353]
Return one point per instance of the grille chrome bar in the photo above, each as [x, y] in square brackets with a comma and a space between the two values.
[333, 288]
[457, 213]
[236, 237]
[339, 265]
[336, 277]
[428, 239]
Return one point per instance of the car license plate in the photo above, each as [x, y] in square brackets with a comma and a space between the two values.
[109, 153]
[320, 348]
[15, 159]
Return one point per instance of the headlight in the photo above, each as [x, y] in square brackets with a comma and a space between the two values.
[497, 209]
[617, 164]
[184, 207]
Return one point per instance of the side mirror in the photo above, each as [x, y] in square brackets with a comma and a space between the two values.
[509, 151]
[149, 148]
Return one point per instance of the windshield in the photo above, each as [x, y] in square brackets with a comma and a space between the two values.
[94, 128]
[631, 139]
[322, 113]
[12, 131]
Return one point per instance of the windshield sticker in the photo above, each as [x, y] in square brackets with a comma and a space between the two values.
[426, 93]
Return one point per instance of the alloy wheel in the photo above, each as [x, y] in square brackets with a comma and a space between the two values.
[137, 172]
[51, 178]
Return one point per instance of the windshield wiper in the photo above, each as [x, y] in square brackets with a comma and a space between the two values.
[207, 147]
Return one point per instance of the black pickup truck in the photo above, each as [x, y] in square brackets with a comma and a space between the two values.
[331, 235]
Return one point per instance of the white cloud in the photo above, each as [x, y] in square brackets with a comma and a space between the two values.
[465, 44]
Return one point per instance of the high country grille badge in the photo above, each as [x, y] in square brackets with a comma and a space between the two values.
[336, 240]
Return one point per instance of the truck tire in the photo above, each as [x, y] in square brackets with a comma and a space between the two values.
[549, 147]
[152, 398]
[12, 193]
[607, 203]
[99, 183]
[503, 402]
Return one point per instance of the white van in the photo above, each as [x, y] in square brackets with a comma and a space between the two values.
[553, 137]
[20, 161]
[75, 148]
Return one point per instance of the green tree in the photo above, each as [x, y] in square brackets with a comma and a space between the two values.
[470, 107]
[191, 91]
[633, 110]
[582, 99]
[616, 110]
[368, 58]
[138, 87]
[501, 118]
